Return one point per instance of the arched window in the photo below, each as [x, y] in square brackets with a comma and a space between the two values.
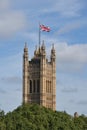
[34, 87]
[30, 86]
[46, 86]
[38, 86]
[50, 87]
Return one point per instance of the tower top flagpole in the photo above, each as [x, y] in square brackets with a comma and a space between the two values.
[39, 35]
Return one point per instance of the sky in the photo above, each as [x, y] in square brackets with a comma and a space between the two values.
[19, 23]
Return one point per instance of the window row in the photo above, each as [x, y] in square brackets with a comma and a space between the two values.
[34, 86]
[49, 106]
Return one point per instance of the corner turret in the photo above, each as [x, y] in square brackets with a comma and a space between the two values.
[43, 52]
[25, 74]
[25, 52]
[53, 56]
[53, 62]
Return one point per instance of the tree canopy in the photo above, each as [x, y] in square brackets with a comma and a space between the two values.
[35, 117]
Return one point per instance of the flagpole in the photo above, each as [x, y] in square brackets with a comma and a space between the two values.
[39, 35]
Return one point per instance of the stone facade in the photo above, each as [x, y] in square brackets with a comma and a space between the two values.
[39, 78]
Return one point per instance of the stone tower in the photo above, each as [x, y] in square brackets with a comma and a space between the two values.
[39, 78]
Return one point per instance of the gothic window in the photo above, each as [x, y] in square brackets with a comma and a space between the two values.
[38, 86]
[48, 86]
[34, 86]
[30, 86]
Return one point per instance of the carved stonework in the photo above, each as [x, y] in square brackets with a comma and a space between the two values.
[39, 78]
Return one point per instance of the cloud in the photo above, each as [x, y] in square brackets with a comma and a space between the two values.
[71, 101]
[18, 90]
[12, 80]
[2, 91]
[71, 26]
[11, 65]
[11, 21]
[4, 4]
[69, 7]
[31, 36]
[66, 8]
[71, 58]
[82, 102]
[69, 90]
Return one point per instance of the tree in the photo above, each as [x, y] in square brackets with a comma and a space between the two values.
[35, 117]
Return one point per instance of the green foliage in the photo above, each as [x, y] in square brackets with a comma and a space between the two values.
[35, 117]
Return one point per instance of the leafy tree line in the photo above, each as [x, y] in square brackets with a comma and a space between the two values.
[35, 117]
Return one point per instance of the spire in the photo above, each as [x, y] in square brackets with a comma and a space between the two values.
[53, 49]
[43, 48]
[36, 47]
[36, 51]
[53, 53]
[25, 44]
[26, 50]
[25, 47]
